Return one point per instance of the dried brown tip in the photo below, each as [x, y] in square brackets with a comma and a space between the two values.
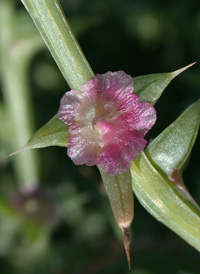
[127, 242]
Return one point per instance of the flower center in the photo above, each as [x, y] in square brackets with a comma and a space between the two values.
[104, 123]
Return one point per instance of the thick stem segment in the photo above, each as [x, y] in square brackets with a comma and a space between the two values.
[52, 25]
[120, 194]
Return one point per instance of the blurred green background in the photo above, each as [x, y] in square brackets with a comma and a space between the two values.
[59, 220]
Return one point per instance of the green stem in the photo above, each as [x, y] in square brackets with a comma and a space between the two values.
[15, 86]
[52, 25]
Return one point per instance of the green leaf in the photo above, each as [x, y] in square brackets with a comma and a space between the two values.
[150, 87]
[53, 133]
[156, 194]
[172, 147]
[157, 180]
[120, 194]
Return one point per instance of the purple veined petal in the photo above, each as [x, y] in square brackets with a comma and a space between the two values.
[129, 104]
[112, 162]
[116, 82]
[134, 148]
[92, 88]
[69, 106]
[121, 147]
[117, 160]
[84, 144]
[115, 89]
[142, 118]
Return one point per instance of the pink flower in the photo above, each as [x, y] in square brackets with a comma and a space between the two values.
[107, 123]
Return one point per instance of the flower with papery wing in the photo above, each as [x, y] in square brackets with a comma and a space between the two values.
[107, 122]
